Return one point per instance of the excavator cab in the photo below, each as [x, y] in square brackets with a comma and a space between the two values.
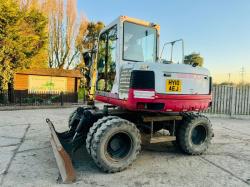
[125, 41]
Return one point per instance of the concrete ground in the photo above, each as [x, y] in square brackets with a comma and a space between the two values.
[26, 158]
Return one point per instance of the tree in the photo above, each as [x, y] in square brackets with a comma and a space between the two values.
[64, 28]
[88, 43]
[194, 59]
[84, 44]
[93, 31]
[23, 37]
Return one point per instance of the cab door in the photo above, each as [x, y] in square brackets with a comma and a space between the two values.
[106, 60]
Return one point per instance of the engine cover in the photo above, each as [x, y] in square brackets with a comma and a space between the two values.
[162, 88]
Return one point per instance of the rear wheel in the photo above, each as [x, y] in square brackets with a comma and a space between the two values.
[194, 134]
[115, 145]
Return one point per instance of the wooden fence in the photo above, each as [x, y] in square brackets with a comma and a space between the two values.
[230, 100]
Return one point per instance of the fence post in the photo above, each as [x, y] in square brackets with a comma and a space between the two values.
[76, 97]
[20, 97]
[233, 101]
[61, 98]
[84, 95]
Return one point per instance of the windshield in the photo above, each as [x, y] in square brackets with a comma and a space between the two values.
[139, 43]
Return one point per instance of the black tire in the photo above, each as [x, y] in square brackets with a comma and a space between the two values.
[71, 116]
[93, 130]
[176, 143]
[115, 145]
[194, 134]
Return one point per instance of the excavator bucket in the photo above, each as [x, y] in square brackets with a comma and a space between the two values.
[63, 159]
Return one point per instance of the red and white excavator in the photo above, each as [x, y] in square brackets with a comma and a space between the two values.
[144, 94]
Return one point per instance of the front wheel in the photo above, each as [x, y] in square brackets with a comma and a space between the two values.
[194, 134]
[115, 145]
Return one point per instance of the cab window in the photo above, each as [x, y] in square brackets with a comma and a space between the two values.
[140, 43]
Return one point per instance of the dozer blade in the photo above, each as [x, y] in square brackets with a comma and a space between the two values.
[63, 160]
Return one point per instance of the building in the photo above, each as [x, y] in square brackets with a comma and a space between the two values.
[47, 80]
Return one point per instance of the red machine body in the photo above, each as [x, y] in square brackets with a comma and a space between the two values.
[159, 102]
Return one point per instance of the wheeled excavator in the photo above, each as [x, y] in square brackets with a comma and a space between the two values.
[142, 95]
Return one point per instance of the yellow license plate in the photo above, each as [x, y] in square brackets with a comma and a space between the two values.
[173, 85]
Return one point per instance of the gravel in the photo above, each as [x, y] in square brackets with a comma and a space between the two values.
[26, 157]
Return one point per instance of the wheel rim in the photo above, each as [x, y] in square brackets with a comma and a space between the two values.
[199, 135]
[119, 146]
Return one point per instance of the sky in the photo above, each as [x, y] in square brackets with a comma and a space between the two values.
[217, 29]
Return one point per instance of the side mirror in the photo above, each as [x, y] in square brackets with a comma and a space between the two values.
[87, 58]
